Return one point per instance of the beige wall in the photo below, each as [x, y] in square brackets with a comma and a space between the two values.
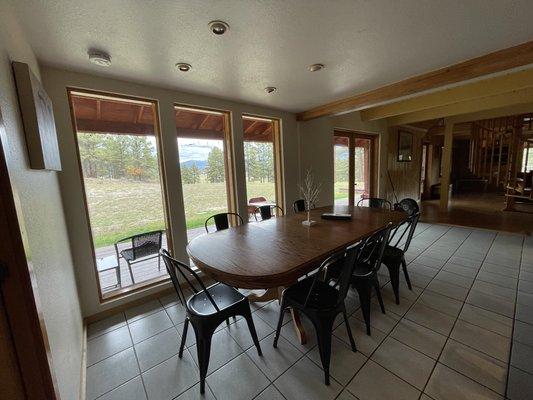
[316, 148]
[56, 81]
[41, 207]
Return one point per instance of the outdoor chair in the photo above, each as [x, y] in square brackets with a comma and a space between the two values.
[252, 207]
[206, 309]
[321, 302]
[144, 246]
[222, 221]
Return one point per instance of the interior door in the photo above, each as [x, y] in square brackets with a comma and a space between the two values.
[353, 166]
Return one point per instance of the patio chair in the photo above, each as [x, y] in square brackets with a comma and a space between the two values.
[144, 246]
[252, 207]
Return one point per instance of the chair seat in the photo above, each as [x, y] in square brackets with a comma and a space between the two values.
[141, 251]
[223, 295]
[392, 254]
[323, 295]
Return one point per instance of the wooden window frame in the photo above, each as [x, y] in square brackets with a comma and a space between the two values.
[278, 159]
[373, 159]
[229, 156]
[122, 292]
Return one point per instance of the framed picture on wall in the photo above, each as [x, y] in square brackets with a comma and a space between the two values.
[405, 146]
[38, 120]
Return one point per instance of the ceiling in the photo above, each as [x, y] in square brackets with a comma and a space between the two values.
[364, 44]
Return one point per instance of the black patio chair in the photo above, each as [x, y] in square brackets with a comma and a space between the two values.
[410, 206]
[375, 202]
[365, 274]
[206, 309]
[222, 221]
[321, 302]
[266, 211]
[394, 255]
[144, 246]
[299, 206]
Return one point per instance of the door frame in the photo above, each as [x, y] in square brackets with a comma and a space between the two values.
[20, 295]
[372, 160]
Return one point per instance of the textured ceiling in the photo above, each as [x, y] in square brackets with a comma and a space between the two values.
[364, 44]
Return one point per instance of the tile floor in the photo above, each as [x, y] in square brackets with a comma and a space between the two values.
[464, 332]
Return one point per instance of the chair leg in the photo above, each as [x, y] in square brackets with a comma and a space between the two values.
[406, 274]
[350, 336]
[131, 273]
[159, 263]
[394, 273]
[378, 295]
[203, 347]
[364, 290]
[280, 322]
[184, 336]
[251, 328]
[323, 333]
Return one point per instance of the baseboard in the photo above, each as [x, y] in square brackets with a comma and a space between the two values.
[83, 372]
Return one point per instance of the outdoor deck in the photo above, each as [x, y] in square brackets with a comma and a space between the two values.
[142, 271]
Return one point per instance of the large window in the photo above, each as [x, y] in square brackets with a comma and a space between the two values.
[262, 162]
[118, 152]
[204, 144]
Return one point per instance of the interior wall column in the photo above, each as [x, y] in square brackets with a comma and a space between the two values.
[446, 164]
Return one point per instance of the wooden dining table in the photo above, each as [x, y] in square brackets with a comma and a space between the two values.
[273, 254]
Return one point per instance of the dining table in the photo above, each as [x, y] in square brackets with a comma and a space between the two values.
[273, 254]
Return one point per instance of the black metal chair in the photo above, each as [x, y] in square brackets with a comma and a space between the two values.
[144, 246]
[321, 302]
[365, 274]
[410, 206]
[222, 221]
[266, 211]
[375, 202]
[206, 309]
[299, 206]
[394, 255]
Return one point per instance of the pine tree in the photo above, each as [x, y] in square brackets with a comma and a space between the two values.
[215, 165]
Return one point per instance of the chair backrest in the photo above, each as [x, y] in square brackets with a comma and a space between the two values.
[222, 221]
[375, 202]
[410, 206]
[174, 267]
[146, 244]
[342, 262]
[373, 247]
[266, 211]
[299, 206]
[406, 227]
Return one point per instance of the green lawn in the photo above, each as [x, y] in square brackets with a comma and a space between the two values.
[120, 208]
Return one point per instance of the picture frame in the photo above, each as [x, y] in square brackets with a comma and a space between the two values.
[38, 120]
[405, 146]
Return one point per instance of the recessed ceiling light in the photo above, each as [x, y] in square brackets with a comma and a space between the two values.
[218, 27]
[183, 67]
[270, 89]
[100, 58]
[316, 67]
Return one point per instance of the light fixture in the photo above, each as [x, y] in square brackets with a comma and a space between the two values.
[218, 27]
[316, 67]
[183, 67]
[99, 57]
[270, 89]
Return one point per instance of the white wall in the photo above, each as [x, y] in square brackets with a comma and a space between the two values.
[41, 206]
[316, 148]
[56, 82]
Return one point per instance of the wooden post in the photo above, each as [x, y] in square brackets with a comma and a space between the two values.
[492, 140]
[446, 164]
[502, 137]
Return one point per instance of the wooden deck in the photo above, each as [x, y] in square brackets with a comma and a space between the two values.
[142, 271]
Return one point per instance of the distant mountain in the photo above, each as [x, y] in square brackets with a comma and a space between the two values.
[201, 164]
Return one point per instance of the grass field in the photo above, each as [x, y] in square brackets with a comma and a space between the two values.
[120, 208]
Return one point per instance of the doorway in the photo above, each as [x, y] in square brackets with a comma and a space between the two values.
[353, 163]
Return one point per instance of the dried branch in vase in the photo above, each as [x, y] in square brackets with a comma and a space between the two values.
[309, 190]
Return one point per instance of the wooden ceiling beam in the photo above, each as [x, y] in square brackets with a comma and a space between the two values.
[204, 121]
[117, 127]
[495, 62]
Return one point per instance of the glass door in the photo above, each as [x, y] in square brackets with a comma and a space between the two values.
[353, 162]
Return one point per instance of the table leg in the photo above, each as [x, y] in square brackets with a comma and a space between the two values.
[275, 293]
